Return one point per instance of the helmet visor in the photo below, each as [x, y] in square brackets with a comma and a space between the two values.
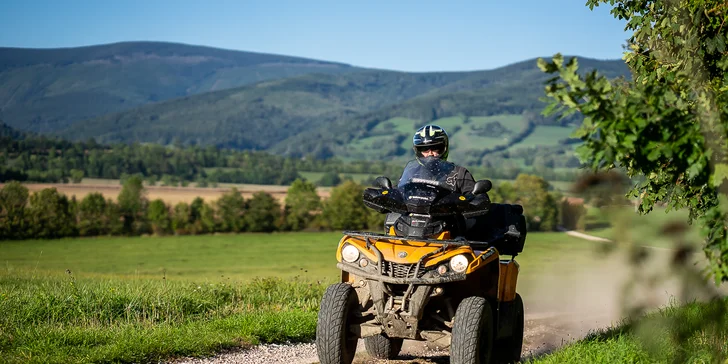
[438, 148]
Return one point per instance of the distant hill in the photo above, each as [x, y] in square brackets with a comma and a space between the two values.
[358, 115]
[45, 90]
[9, 132]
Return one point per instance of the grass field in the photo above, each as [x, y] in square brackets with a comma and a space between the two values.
[230, 257]
[545, 135]
[397, 125]
[206, 257]
[143, 299]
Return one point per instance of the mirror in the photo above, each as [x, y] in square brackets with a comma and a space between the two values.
[482, 186]
[383, 182]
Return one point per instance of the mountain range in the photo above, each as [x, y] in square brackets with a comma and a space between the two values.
[174, 93]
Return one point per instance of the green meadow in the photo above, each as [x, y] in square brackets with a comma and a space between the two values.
[241, 257]
[146, 299]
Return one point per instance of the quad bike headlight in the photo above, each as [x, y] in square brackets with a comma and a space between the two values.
[459, 263]
[350, 253]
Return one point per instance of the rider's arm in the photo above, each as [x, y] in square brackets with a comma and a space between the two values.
[467, 182]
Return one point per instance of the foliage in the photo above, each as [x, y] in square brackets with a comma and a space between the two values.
[76, 175]
[158, 217]
[181, 215]
[301, 202]
[132, 204]
[13, 201]
[93, 215]
[329, 179]
[49, 215]
[539, 206]
[668, 123]
[263, 214]
[231, 208]
[41, 159]
[344, 209]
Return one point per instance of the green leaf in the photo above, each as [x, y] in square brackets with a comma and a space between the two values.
[654, 154]
[720, 174]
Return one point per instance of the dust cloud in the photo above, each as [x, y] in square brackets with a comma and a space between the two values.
[567, 304]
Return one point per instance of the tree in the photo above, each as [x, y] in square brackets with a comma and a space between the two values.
[158, 217]
[231, 208]
[196, 209]
[13, 201]
[92, 215]
[133, 204]
[539, 206]
[76, 175]
[263, 213]
[49, 215]
[181, 218]
[669, 123]
[345, 210]
[301, 202]
[329, 179]
[208, 222]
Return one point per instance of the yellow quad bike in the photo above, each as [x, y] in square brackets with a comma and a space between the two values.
[427, 278]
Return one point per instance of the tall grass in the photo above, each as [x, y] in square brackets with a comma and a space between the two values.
[56, 319]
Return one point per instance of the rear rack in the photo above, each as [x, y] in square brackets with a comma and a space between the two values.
[457, 241]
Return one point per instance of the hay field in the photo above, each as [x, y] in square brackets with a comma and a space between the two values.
[170, 195]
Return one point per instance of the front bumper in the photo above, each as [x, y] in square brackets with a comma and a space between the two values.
[428, 278]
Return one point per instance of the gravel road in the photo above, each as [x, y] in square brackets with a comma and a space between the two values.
[544, 333]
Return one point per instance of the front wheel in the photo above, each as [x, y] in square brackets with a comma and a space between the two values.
[472, 332]
[382, 347]
[334, 343]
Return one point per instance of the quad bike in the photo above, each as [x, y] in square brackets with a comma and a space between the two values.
[439, 274]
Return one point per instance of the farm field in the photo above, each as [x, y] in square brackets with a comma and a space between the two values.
[171, 195]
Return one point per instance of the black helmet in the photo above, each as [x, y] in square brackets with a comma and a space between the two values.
[430, 136]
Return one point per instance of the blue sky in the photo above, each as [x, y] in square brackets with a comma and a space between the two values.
[399, 35]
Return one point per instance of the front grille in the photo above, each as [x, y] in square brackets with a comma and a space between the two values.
[400, 270]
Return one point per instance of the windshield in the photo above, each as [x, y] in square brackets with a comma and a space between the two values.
[430, 170]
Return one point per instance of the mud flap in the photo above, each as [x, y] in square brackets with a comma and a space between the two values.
[505, 318]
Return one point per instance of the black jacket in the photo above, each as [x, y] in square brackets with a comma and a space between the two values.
[464, 181]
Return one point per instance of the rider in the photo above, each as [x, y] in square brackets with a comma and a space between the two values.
[431, 141]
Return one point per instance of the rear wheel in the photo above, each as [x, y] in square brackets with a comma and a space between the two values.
[472, 332]
[334, 343]
[510, 348]
[382, 347]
